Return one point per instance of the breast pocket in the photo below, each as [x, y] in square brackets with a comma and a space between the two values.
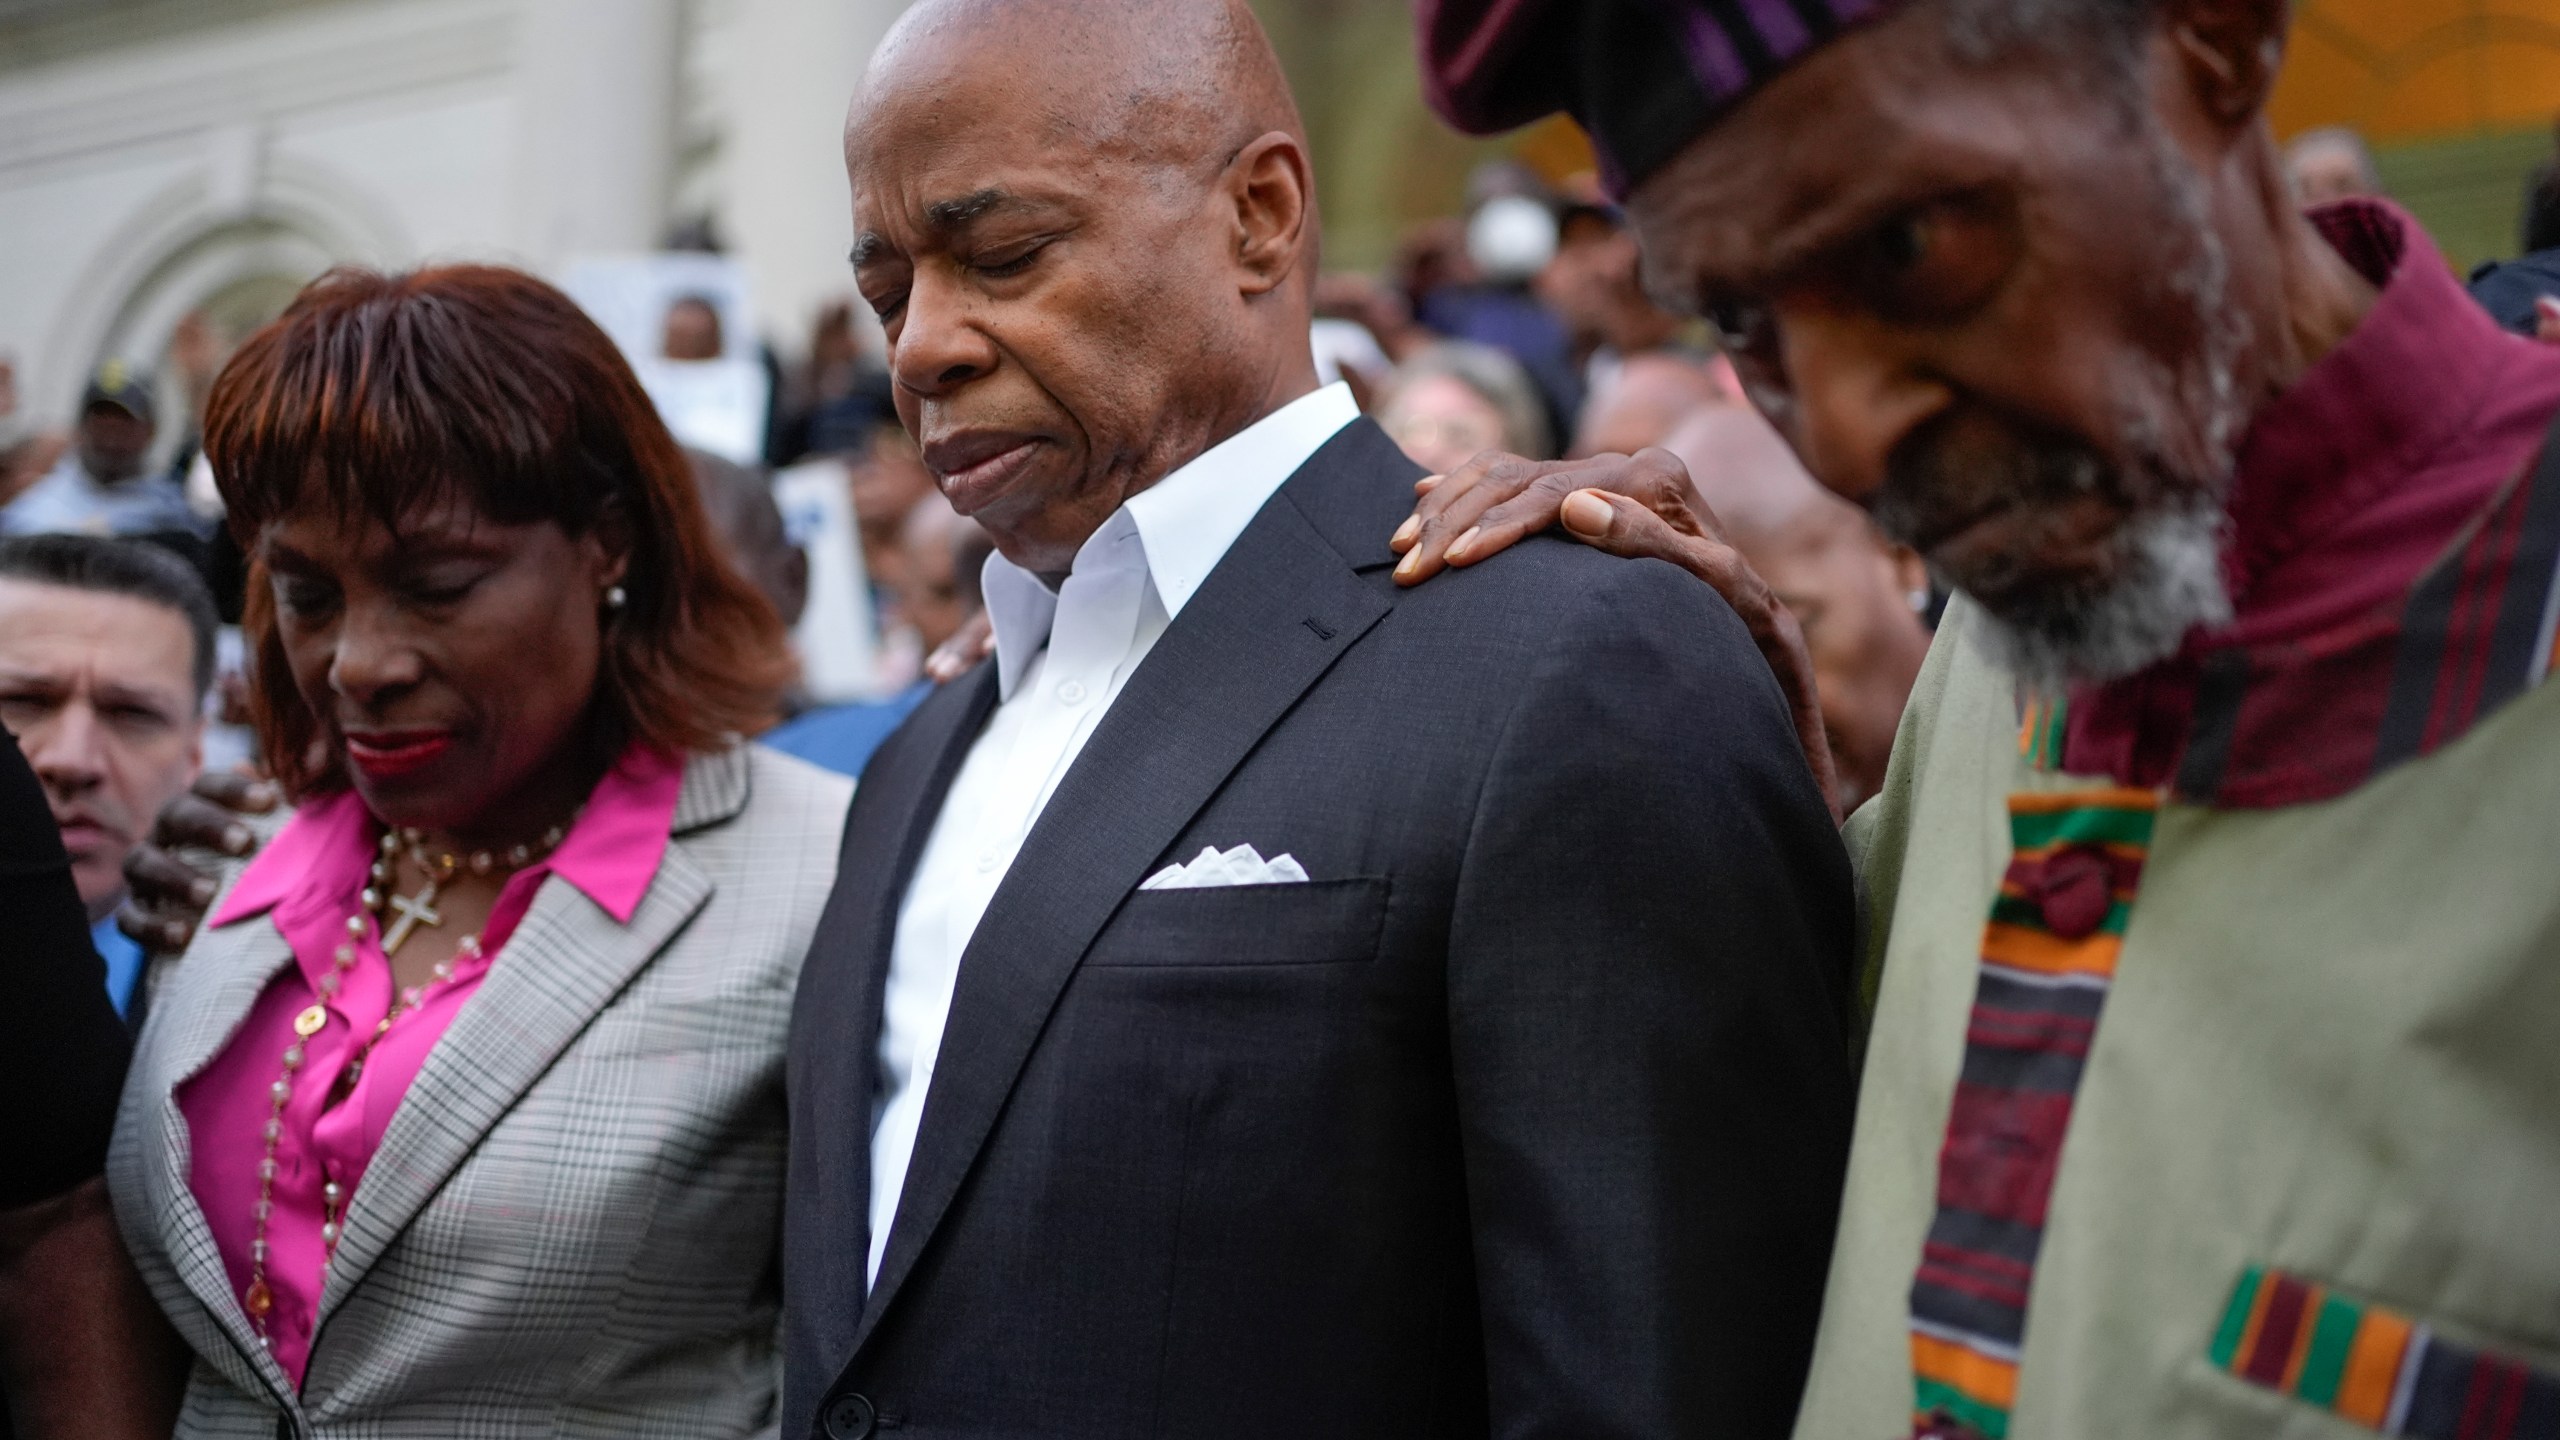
[2379, 1367]
[1317, 922]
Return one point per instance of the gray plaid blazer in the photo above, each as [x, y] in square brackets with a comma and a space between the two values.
[572, 1225]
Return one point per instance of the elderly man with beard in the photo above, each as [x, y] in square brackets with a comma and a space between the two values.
[2211, 1089]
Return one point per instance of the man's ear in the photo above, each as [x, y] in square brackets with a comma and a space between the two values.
[1273, 190]
[2231, 51]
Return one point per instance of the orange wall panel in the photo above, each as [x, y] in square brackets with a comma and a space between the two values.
[2403, 70]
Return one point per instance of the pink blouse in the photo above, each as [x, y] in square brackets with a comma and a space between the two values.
[310, 877]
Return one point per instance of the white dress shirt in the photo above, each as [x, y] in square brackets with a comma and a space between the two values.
[1061, 660]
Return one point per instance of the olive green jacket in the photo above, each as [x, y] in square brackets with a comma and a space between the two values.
[2321, 1114]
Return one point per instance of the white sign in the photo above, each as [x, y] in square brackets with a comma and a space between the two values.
[716, 404]
[836, 637]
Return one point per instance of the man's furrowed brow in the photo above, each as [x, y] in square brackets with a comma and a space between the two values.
[952, 214]
[944, 215]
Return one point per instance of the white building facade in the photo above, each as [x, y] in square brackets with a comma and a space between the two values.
[166, 157]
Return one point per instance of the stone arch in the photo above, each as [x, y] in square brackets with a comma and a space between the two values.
[189, 245]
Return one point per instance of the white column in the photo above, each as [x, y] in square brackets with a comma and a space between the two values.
[596, 133]
[784, 208]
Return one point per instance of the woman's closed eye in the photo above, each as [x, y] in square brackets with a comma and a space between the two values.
[304, 598]
[444, 585]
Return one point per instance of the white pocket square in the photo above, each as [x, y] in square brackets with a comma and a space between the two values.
[1243, 865]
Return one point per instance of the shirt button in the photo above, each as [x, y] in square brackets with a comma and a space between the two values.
[988, 860]
[1071, 693]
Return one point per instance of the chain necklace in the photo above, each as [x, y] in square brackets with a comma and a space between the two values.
[419, 909]
[378, 900]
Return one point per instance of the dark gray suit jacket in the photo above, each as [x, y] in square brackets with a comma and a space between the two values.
[1526, 1117]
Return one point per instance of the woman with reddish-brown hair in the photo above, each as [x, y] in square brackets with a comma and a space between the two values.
[463, 1115]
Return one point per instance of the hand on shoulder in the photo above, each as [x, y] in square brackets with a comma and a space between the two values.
[1641, 506]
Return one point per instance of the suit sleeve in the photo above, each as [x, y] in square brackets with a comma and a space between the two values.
[62, 1049]
[1650, 963]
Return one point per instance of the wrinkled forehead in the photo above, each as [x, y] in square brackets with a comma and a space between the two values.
[125, 638]
[937, 166]
[1021, 108]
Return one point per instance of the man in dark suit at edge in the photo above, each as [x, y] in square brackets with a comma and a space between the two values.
[1260, 1001]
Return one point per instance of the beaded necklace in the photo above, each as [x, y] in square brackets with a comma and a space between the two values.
[378, 900]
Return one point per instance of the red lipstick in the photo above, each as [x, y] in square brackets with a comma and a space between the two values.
[383, 754]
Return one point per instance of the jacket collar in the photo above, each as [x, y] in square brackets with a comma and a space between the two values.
[1179, 528]
[320, 855]
[2394, 521]
[2373, 412]
[565, 962]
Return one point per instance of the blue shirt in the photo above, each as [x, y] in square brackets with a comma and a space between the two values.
[124, 963]
[842, 737]
[68, 502]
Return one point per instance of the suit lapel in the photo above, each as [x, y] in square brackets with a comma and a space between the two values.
[565, 962]
[835, 1019]
[194, 1031]
[1277, 612]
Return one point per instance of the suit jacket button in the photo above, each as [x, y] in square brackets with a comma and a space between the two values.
[850, 1417]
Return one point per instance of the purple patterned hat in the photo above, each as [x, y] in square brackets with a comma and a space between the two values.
[1642, 76]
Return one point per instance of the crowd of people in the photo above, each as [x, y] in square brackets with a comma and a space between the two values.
[2023, 922]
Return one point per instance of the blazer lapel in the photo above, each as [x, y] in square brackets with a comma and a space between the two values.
[565, 962]
[191, 1033]
[1272, 618]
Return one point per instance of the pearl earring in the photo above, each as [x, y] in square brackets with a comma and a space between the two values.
[615, 597]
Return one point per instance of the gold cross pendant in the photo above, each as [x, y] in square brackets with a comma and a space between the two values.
[414, 912]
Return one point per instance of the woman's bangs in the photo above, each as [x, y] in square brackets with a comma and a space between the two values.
[384, 410]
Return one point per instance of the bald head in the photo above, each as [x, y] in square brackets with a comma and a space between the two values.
[1749, 477]
[2329, 165]
[1088, 227]
[1160, 82]
[1645, 402]
[1850, 589]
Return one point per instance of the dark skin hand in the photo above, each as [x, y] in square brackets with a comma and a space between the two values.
[83, 1349]
[1636, 507]
[165, 897]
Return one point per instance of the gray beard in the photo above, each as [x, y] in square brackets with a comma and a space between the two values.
[2170, 583]
[2169, 559]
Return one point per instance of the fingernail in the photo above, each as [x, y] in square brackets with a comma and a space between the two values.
[1406, 567]
[1405, 532]
[201, 891]
[236, 839]
[175, 933]
[1423, 485]
[1585, 513]
[262, 793]
[1459, 547]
